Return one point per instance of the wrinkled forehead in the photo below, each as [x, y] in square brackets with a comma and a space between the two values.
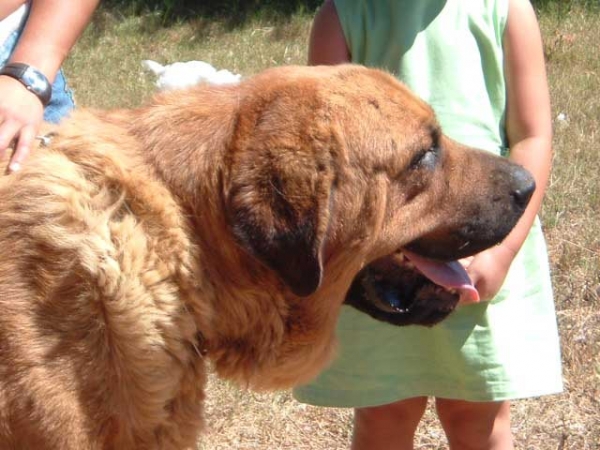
[373, 105]
[362, 104]
[381, 91]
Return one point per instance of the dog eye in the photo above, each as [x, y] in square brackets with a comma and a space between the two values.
[426, 159]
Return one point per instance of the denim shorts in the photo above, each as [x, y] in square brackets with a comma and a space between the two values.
[61, 102]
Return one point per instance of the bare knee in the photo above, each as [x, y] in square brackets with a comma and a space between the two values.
[476, 425]
[375, 427]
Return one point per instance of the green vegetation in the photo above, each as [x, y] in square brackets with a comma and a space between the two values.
[233, 11]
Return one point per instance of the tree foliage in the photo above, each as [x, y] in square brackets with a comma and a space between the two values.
[236, 11]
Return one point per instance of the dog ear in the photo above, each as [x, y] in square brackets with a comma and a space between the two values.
[278, 208]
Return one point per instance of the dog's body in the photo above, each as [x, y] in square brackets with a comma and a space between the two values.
[218, 223]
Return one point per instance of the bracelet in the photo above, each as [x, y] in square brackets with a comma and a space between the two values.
[34, 80]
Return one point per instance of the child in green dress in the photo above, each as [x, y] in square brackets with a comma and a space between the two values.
[480, 65]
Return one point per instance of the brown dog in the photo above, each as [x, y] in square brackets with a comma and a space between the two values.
[223, 224]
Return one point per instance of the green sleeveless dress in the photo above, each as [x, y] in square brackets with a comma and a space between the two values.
[449, 52]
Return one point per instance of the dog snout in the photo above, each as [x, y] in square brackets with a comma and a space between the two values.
[524, 186]
[486, 216]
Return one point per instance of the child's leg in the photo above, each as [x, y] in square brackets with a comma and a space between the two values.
[474, 425]
[388, 427]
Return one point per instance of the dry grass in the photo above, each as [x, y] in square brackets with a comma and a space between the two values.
[105, 72]
[105, 69]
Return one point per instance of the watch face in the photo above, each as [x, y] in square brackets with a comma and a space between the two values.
[36, 81]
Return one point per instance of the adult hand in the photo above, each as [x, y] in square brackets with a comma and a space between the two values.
[21, 114]
[488, 271]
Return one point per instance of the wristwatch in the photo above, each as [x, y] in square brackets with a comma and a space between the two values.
[34, 80]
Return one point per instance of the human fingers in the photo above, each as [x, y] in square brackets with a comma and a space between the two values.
[477, 268]
[19, 109]
[23, 148]
[487, 281]
[468, 297]
[9, 129]
[466, 262]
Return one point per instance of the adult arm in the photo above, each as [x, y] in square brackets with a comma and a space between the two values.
[51, 30]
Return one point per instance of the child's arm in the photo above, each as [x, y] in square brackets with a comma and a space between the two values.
[327, 44]
[529, 131]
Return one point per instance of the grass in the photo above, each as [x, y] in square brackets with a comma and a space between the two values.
[105, 71]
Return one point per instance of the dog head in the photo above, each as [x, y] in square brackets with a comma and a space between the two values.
[305, 181]
[346, 160]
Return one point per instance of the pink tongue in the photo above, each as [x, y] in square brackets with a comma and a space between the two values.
[450, 275]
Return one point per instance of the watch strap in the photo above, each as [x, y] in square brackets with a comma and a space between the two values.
[34, 80]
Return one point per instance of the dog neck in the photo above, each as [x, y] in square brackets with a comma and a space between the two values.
[195, 139]
[189, 132]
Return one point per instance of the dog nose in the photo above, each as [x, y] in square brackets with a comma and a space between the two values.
[524, 186]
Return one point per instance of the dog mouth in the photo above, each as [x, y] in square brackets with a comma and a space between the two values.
[405, 289]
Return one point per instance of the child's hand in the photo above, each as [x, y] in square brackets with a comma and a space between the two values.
[488, 270]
